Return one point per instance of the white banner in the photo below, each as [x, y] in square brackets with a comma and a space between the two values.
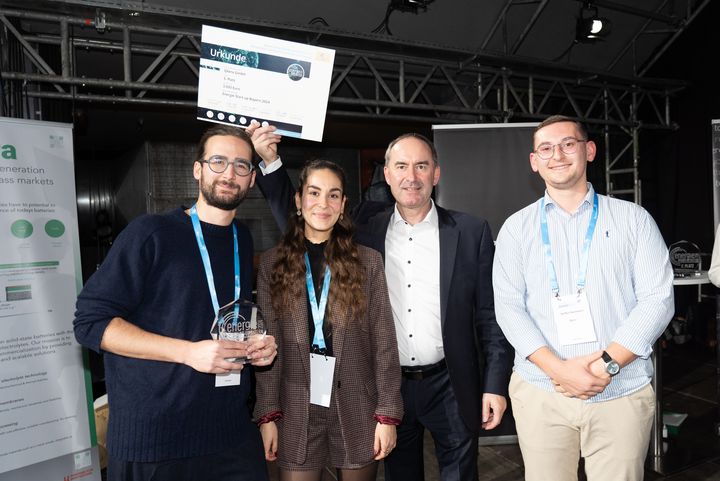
[44, 402]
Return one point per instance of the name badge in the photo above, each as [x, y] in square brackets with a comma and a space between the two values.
[573, 319]
[231, 378]
[322, 370]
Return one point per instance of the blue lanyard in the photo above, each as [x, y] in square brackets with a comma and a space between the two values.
[585, 249]
[318, 310]
[206, 259]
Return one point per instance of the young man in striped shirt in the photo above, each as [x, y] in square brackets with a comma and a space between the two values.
[583, 288]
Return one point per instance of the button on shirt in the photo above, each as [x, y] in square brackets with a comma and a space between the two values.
[412, 268]
[628, 285]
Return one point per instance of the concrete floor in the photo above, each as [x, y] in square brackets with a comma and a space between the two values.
[693, 452]
[504, 463]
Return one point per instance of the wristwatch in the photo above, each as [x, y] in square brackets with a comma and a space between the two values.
[611, 365]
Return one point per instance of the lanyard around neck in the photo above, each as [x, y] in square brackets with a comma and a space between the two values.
[585, 249]
[206, 259]
[317, 309]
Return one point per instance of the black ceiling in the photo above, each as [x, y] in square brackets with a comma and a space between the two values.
[526, 31]
[512, 35]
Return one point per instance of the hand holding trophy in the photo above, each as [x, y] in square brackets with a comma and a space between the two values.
[239, 321]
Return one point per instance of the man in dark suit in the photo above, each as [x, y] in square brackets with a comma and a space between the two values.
[455, 360]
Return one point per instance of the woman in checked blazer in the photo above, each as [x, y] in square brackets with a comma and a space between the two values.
[358, 427]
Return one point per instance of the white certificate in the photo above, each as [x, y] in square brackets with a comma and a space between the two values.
[246, 77]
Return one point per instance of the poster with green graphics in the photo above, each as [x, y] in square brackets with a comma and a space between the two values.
[46, 428]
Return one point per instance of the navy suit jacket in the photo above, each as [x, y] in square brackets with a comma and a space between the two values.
[478, 356]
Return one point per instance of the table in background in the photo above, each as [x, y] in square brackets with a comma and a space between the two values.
[656, 438]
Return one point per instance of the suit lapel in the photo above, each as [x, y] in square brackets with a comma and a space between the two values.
[449, 237]
[377, 227]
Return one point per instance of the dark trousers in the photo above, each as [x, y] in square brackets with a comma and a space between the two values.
[245, 462]
[430, 404]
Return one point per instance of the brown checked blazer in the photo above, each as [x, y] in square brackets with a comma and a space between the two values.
[367, 370]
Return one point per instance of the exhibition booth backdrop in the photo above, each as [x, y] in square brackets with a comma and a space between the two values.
[46, 422]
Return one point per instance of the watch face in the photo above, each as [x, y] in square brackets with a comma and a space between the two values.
[612, 368]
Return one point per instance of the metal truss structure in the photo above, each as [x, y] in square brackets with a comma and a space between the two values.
[115, 58]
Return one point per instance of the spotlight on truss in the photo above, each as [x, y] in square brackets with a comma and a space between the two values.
[591, 27]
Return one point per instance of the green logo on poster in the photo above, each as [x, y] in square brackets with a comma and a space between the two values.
[21, 229]
[8, 151]
[54, 228]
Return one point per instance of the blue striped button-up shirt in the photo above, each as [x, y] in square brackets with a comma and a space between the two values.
[628, 285]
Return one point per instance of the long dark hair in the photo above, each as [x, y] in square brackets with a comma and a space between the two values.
[341, 254]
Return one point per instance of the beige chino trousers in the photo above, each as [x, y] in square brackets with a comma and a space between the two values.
[554, 431]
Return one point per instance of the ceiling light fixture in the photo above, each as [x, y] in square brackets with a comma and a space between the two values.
[412, 6]
[591, 27]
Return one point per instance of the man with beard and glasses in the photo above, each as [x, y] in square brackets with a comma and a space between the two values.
[178, 407]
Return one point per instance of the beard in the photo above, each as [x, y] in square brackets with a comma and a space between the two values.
[222, 201]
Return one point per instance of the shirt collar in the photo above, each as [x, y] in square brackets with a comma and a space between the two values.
[431, 218]
[588, 200]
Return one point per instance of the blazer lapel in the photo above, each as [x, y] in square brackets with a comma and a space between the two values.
[338, 331]
[299, 321]
[449, 237]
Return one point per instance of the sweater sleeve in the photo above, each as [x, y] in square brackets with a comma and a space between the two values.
[116, 288]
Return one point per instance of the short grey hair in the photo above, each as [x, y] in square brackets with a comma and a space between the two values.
[414, 135]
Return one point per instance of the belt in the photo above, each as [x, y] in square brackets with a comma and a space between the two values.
[419, 373]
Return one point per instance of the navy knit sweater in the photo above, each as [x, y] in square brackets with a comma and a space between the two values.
[154, 278]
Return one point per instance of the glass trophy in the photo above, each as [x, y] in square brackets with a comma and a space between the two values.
[685, 259]
[239, 321]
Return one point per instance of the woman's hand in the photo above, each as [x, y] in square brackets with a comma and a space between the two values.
[262, 350]
[385, 440]
[269, 433]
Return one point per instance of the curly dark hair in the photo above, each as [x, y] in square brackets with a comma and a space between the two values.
[341, 254]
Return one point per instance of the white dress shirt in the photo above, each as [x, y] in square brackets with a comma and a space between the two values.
[265, 170]
[412, 268]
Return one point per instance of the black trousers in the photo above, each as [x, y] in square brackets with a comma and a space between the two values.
[245, 462]
[430, 404]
